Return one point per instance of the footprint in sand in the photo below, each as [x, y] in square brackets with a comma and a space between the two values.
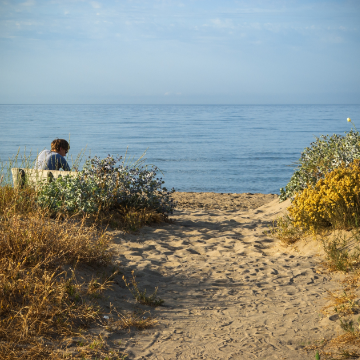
[229, 292]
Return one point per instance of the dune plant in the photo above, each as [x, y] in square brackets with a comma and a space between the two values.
[283, 229]
[338, 257]
[102, 185]
[20, 160]
[42, 302]
[40, 299]
[334, 201]
[140, 296]
[325, 194]
[323, 155]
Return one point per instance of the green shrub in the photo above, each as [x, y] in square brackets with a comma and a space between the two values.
[333, 201]
[103, 186]
[325, 154]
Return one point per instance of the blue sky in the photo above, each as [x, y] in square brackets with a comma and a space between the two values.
[181, 52]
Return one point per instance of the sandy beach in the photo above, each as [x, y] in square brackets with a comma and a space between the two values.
[231, 291]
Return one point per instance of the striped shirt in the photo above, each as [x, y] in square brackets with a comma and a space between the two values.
[51, 160]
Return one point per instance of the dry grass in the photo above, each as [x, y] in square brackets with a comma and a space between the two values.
[18, 202]
[342, 255]
[140, 296]
[36, 240]
[41, 300]
[140, 320]
[342, 303]
[338, 258]
[346, 304]
[129, 219]
[283, 229]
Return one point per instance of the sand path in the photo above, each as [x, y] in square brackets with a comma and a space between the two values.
[230, 291]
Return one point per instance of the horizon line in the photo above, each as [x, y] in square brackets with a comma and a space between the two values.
[200, 104]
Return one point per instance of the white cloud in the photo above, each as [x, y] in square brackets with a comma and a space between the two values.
[95, 5]
[259, 10]
[334, 39]
[28, 3]
[272, 27]
[252, 26]
[222, 24]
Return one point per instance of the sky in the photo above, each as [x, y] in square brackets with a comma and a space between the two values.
[180, 52]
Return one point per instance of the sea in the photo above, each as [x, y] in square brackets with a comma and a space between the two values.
[198, 148]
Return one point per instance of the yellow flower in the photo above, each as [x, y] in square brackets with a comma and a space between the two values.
[348, 119]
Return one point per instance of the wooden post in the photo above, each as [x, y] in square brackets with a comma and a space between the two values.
[50, 177]
[19, 177]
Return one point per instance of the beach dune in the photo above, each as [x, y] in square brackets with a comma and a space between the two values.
[231, 291]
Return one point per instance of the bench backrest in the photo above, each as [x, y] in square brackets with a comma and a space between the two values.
[32, 176]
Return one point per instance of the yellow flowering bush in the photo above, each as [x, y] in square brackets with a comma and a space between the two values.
[333, 201]
[325, 154]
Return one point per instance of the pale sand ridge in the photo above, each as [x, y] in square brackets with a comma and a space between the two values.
[231, 292]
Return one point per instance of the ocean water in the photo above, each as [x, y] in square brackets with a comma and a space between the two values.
[219, 148]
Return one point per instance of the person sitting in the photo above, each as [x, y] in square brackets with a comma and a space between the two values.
[54, 159]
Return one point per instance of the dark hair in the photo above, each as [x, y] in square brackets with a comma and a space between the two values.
[60, 143]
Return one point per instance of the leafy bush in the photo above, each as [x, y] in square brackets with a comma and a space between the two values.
[324, 155]
[42, 302]
[102, 185]
[333, 201]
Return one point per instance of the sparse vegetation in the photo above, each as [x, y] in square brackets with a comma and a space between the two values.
[140, 320]
[41, 298]
[42, 302]
[283, 229]
[140, 296]
[338, 256]
[325, 194]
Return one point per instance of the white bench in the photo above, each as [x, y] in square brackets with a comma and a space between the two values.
[23, 177]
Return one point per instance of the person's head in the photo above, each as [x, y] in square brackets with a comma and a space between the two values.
[60, 146]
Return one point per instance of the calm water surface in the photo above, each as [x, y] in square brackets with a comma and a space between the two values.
[220, 148]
